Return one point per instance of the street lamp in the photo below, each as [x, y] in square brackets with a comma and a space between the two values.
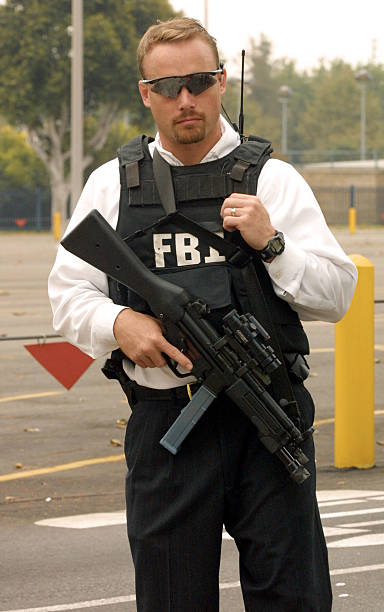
[285, 93]
[363, 77]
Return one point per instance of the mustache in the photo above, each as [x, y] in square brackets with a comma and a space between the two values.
[189, 115]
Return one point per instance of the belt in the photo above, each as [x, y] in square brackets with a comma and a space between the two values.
[297, 367]
[137, 393]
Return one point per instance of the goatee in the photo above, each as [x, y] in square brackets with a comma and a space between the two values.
[189, 134]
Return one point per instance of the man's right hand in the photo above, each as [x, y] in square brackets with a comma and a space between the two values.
[141, 338]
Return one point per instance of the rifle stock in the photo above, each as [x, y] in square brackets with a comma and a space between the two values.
[96, 242]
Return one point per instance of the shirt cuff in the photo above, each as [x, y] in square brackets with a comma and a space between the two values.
[103, 339]
[287, 270]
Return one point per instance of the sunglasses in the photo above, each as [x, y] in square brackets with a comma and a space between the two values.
[196, 83]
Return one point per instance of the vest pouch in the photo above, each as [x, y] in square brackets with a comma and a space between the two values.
[210, 283]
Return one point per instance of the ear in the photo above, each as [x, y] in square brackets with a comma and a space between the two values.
[223, 81]
[144, 92]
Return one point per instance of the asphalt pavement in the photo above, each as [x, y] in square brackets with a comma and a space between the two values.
[63, 538]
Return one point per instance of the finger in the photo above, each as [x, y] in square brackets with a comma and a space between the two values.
[234, 207]
[230, 224]
[228, 205]
[177, 355]
[146, 362]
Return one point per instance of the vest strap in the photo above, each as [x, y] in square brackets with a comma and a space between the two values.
[163, 179]
[239, 169]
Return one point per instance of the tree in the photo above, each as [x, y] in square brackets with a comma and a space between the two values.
[19, 164]
[323, 110]
[118, 134]
[261, 84]
[332, 119]
[264, 77]
[259, 92]
[35, 74]
[286, 74]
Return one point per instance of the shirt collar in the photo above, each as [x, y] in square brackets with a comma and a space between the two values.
[229, 140]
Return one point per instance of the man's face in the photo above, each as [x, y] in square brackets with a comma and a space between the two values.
[188, 118]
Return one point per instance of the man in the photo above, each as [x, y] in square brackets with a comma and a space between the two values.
[177, 505]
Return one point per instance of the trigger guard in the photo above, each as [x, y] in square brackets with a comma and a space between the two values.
[173, 367]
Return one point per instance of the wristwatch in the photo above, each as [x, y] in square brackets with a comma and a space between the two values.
[275, 246]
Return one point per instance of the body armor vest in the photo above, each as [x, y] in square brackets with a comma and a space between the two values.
[181, 257]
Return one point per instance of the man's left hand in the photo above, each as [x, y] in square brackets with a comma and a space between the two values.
[247, 214]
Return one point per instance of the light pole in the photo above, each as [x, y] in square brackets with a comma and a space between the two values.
[363, 77]
[206, 11]
[76, 102]
[285, 93]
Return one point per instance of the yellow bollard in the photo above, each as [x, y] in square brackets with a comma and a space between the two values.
[352, 210]
[354, 375]
[352, 220]
[57, 226]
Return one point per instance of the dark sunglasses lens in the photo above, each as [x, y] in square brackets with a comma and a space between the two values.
[169, 87]
[196, 84]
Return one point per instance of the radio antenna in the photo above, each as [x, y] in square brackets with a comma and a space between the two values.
[240, 127]
[241, 115]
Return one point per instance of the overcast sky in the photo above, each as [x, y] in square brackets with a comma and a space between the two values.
[304, 30]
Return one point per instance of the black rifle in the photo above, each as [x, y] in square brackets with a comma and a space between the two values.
[238, 361]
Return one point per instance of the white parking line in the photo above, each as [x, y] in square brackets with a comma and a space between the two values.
[79, 605]
[342, 502]
[325, 498]
[340, 494]
[102, 602]
[369, 539]
[86, 521]
[330, 532]
[365, 524]
[128, 598]
[336, 572]
[352, 513]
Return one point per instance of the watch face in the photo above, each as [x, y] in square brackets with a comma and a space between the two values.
[274, 247]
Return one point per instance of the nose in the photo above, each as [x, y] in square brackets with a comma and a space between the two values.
[185, 99]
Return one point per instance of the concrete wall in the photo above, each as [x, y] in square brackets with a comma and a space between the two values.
[332, 183]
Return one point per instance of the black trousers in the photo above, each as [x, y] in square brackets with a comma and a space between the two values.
[177, 506]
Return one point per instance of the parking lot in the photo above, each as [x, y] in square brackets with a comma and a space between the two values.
[63, 539]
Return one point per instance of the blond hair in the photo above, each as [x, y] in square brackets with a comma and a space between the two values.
[173, 30]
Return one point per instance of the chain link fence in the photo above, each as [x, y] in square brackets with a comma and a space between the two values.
[22, 209]
[336, 201]
[25, 209]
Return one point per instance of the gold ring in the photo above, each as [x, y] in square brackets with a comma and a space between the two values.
[233, 212]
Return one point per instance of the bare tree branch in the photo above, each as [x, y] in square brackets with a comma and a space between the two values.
[34, 140]
[98, 140]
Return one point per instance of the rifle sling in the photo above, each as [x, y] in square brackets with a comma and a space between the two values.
[164, 183]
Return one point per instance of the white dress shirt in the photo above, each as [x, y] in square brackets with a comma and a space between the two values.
[313, 274]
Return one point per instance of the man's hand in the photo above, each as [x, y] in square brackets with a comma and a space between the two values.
[140, 337]
[246, 213]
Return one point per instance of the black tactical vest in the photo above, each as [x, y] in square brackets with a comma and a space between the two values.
[181, 257]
